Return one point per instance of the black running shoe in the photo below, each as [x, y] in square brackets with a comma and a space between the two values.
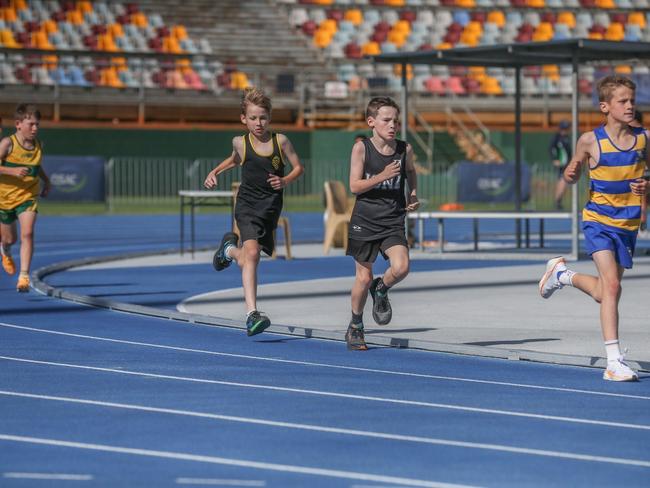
[220, 261]
[381, 309]
[355, 340]
[256, 323]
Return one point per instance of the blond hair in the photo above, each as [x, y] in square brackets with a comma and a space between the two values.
[255, 96]
[608, 84]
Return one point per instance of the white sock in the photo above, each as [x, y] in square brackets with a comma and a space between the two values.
[250, 312]
[5, 250]
[566, 276]
[613, 350]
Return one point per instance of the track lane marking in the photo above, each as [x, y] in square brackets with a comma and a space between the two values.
[349, 396]
[243, 463]
[338, 430]
[326, 365]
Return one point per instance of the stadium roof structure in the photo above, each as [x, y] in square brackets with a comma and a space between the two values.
[519, 55]
[568, 51]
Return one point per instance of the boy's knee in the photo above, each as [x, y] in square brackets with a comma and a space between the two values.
[400, 270]
[252, 254]
[364, 278]
[612, 288]
[26, 235]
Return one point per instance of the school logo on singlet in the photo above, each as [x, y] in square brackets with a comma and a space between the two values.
[392, 184]
[276, 162]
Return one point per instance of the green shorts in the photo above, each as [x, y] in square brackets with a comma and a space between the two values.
[9, 216]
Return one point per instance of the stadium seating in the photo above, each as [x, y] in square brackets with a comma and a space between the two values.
[108, 27]
[366, 28]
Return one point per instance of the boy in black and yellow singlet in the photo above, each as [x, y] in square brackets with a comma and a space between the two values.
[262, 156]
[616, 155]
[379, 168]
[20, 175]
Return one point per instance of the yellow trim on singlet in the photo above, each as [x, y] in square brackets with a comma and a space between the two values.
[243, 140]
[255, 151]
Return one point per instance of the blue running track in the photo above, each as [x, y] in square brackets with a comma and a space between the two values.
[90, 397]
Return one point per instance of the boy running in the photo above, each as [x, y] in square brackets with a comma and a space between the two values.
[378, 167]
[617, 156]
[262, 156]
[20, 170]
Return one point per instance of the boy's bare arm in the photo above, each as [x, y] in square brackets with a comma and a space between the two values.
[230, 162]
[357, 182]
[582, 154]
[412, 180]
[297, 168]
[5, 148]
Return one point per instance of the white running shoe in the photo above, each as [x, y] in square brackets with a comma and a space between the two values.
[619, 371]
[549, 282]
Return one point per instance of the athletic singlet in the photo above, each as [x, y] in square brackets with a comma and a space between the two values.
[255, 190]
[14, 190]
[380, 211]
[611, 201]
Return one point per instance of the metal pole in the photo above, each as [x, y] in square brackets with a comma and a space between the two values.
[518, 151]
[575, 240]
[404, 103]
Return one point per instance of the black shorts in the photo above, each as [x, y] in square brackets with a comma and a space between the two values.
[259, 229]
[366, 251]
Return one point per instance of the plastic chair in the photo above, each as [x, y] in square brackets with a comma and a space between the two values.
[338, 210]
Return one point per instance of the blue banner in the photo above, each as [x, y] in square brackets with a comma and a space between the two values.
[490, 183]
[75, 178]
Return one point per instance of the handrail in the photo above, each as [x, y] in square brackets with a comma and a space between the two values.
[468, 134]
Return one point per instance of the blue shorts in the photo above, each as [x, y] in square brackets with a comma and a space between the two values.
[599, 237]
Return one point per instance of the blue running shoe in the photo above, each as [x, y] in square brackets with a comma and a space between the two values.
[220, 261]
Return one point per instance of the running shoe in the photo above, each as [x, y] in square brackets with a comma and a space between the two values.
[8, 264]
[550, 282]
[256, 323]
[381, 309]
[220, 261]
[23, 283]
[355, 340]
[619, 371]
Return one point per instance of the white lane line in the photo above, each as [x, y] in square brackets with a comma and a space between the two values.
[348, 396]
[338, 430]
[219, 482]
[326, 365]
[49, 476]
[285, 468]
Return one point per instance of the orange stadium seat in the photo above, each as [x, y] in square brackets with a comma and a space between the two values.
[7, 39]
[50, 26]
[491, 86]
[615, 32]
[535, 3]
[609, 4]
[354, 15]
[139, 19]
[9, 14]
[497, 17]
[637, 18]
[322, 38]
[75, 17]
[466, 3]
[179, 32]
[370, 48]
[567, 18]
[84, 6]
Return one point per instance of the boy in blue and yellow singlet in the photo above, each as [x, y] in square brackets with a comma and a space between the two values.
[617, 156]
[20, 175]
[262, 156]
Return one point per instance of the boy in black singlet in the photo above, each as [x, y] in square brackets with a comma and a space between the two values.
[262, 156]
[379, 166]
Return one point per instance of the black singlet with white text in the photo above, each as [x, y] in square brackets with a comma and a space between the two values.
[380, 211]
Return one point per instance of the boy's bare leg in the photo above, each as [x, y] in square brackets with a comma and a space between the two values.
[560, 190]
[27, 221]
[399, 265]
[362, 281]
[605, 289]
[248, 258]
[7, 240]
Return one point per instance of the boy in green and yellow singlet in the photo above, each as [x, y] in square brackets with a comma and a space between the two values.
[20, 171]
